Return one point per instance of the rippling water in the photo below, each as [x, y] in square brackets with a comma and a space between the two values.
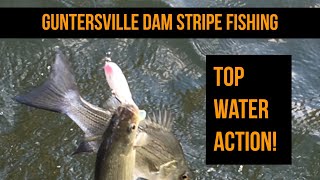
[161, 72]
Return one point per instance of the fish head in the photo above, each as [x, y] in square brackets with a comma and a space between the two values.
[116, 154]
[126, 121]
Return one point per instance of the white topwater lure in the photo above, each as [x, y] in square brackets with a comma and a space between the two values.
[118, 84]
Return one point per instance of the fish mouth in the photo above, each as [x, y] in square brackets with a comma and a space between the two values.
[129, 113]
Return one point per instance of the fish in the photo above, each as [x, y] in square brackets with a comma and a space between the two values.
[60, 93]
[161, 157]
[116, 155]
[152, 135]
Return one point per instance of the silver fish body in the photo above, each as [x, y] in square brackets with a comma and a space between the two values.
[116, 155]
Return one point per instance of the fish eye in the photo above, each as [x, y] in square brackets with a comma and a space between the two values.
[131, 127]
[184, 176]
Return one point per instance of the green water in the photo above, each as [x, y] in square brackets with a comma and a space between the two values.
[37, 144]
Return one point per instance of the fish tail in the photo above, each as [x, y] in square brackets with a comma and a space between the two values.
[57, 92]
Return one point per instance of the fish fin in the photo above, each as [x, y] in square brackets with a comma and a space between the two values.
[163, 168]
[59, 93]
[93, 138]
[141, 139]
[84, 147]
[58, 90]
[153, 168]
[162, 118]
[169, 165]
